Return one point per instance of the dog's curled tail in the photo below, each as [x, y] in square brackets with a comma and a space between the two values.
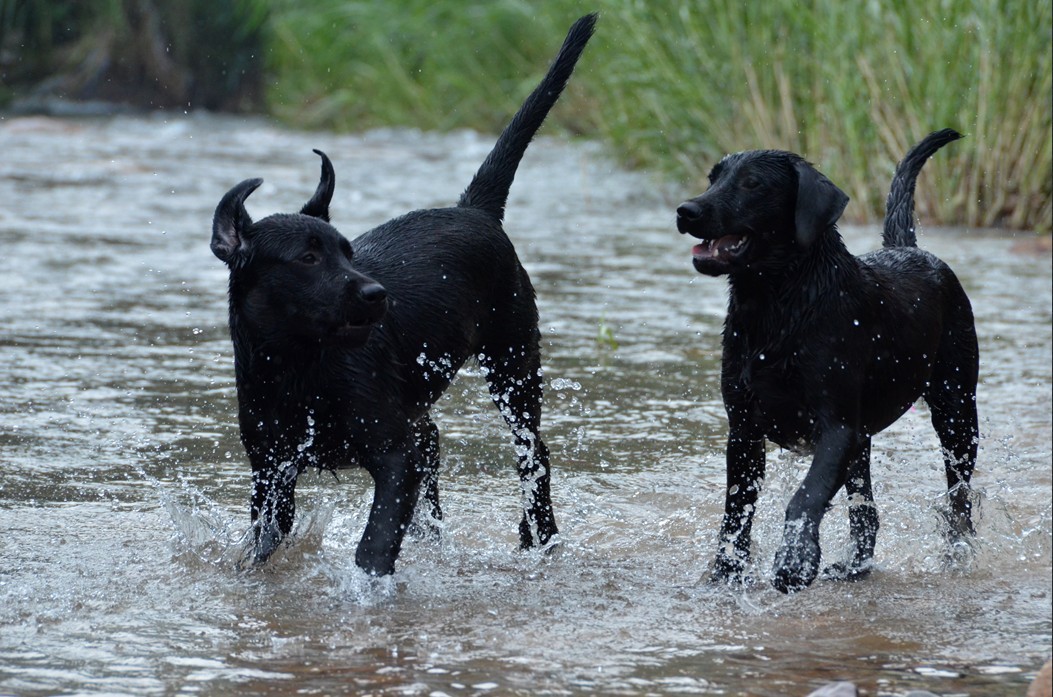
[488, 190]
[899, 207]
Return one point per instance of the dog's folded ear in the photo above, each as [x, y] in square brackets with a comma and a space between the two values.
[231, 220]
[318, 206]
[819, 203]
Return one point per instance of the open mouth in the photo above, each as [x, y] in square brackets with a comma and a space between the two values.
[722, 250]
[357, 329]
[363, 320]
[354, 328]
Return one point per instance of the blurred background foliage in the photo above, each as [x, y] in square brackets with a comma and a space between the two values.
[206, 54]
[666, 84]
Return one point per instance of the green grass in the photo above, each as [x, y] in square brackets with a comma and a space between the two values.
[674, 85]
[851, 86]
[667, 84]
[353, 65]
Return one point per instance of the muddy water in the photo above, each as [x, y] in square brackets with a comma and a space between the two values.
[123, 485]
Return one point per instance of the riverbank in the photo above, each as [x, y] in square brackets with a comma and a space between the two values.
[664, 86]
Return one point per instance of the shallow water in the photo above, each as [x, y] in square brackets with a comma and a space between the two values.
[123, 486]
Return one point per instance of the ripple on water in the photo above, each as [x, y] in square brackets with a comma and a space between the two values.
[123, 490]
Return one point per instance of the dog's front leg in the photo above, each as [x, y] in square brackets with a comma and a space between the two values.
[397, 475]
[273, 505]
[745, 473]
[797, 561]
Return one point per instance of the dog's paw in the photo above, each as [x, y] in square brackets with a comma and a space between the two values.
[958, 519]
[960, 554]
[847, 571]
[425, 528]
[729, 570]
[796, 564]
[740, 581]
[538, 534]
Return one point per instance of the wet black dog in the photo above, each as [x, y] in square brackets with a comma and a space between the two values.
[341, 348]
[822, 349]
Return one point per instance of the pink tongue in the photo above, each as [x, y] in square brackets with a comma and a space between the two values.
[701, 250]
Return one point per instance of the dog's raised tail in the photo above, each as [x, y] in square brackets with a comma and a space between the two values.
[488, 190]
[899, 207]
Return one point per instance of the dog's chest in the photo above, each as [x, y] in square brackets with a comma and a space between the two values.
[784, 414]
[310, 433]
[770, 383]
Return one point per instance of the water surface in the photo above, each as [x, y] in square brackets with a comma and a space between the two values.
[123, 486]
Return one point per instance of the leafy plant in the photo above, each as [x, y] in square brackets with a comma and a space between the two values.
[605, 335]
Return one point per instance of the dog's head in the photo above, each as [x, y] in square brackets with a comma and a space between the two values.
[760, 207]
[292, 275]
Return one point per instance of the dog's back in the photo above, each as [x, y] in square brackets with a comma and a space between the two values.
[925, 313]
[453, 270]
[451, 275]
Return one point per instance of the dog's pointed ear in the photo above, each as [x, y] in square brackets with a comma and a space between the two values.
[318, 206]
[231, 220]
[819, 203]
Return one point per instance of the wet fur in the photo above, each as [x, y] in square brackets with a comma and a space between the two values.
[341, 348]
[822, 350]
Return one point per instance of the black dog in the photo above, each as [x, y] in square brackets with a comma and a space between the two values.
[822, 350]
[341, 348]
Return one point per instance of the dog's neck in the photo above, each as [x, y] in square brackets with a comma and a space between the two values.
[779, 299]
[825, 264]
[267, 364]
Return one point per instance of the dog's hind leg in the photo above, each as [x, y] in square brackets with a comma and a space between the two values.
[863, 521]
[951, 397]
[514, 377]
[426, 436]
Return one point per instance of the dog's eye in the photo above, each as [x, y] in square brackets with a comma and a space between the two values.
[310, 258]
[750, 183]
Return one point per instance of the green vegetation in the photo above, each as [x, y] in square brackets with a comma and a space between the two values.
[152, 53]
[675, 85]
[431, 65]
[667, 84]
[605, 335]
[851, 86]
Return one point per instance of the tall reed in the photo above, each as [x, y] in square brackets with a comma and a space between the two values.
[674, 85]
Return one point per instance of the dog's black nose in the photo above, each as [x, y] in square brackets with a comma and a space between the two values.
[373, 293]
[689, 210]
[689, 217]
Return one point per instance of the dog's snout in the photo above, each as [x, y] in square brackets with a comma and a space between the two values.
[373, 293]
[689, 210]
[688, 216]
